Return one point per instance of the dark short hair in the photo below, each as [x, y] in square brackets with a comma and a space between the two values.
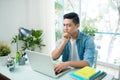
[72, 15]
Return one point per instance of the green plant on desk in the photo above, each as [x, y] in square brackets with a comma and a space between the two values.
[4, 52]
[18, 55]
[4, 49]
[20, 58]
[31, 41]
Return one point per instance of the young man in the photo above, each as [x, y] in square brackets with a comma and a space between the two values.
[77, 48]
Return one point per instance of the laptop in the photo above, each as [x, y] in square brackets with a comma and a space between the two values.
[43, 63]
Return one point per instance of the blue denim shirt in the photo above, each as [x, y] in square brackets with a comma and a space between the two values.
[85, 47]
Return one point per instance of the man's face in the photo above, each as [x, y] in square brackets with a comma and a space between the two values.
[70, 27]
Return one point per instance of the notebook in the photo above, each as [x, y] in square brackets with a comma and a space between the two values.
[43, 63]
[84, 73]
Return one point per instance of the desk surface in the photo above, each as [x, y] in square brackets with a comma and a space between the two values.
[26, 73]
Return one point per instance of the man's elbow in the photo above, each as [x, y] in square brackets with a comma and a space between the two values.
[54, 58]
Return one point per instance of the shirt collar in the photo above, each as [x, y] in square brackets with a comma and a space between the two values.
[79, 35]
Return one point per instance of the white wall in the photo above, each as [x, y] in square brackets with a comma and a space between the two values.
[12, 16]
[43, 11]
[32, 14]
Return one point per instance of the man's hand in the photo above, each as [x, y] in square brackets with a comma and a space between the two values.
[57, 52]
[60, 66]
[66, 36]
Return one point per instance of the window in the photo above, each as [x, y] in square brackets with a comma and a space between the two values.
[105, 16]
[62, 7]
[102, 14]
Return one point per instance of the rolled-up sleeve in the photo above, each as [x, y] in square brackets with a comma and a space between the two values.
[89, 51]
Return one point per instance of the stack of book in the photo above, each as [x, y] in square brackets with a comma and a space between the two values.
[89, 73]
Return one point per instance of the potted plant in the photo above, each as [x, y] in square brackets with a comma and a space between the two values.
[4, 51]
[89, 30]
[31, 41]
[89, 27]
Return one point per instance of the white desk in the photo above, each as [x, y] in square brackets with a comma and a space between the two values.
[26, 73]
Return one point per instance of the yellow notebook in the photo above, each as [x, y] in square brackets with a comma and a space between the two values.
[86, 72]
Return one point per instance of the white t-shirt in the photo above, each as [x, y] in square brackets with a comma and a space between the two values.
[73, 52]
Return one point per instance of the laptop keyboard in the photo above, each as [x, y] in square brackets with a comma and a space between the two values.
[62, 71]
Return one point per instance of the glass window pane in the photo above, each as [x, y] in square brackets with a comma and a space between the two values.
[105, 16]
[108, 47]
[62, 7]
[101, 14]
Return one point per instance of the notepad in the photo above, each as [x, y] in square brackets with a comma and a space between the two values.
[84, 73]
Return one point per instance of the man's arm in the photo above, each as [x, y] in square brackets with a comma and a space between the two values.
[78, 64]
[57, 52]
[88, 58]
[89, 51]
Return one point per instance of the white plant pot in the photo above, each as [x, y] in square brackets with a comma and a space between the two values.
[3, 60]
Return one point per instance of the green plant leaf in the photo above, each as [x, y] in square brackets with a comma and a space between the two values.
[29, 42]
[4, 49]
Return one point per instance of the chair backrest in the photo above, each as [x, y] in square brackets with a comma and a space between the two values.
[95, 59]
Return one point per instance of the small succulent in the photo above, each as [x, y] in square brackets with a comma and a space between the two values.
[4, 49]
